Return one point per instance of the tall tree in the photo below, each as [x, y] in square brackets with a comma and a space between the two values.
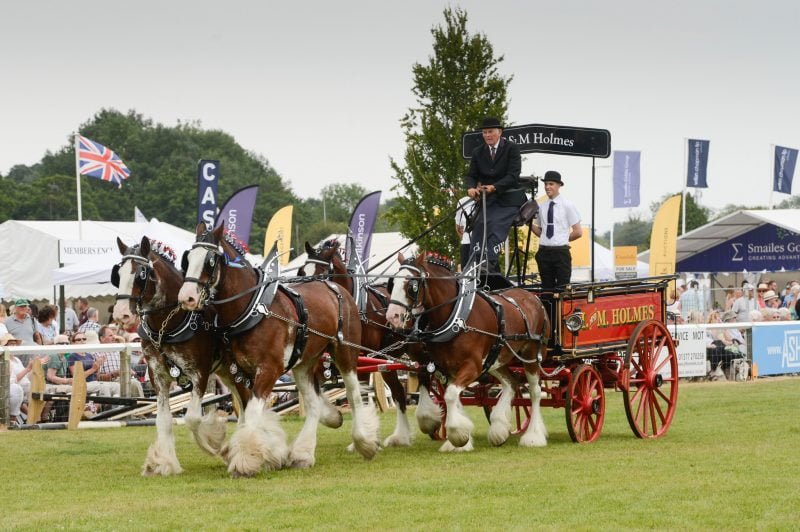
[458, 86]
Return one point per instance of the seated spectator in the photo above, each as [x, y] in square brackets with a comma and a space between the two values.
[791, 295]
[762, 289]
[110, 370]
[724, 345]
[20, 324]
[745, 304]
[784, 314]
[771, 299]
[731, 295]
[19, 384]
[768, 314]
[755, 316]
[91, 366]
[695, 316]
[47, 324]
[91, 323]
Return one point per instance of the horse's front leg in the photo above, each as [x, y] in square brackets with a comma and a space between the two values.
[259, 441]
[366, 425]
[303, 450]
[536, 433]
[402, 436]
[499, 423]
[208, 430]
[459, 426]
[161, 458]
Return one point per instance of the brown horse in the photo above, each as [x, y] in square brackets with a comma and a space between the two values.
[464, 333]
[177, 346]
[375, 334]
[290, 329]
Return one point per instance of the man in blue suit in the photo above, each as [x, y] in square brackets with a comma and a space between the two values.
[494, 171]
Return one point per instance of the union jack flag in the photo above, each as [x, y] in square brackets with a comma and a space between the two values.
[95, 160]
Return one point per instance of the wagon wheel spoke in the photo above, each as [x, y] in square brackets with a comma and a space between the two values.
[585, 407]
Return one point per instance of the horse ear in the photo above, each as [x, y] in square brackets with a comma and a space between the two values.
[400, 258]
[218, 232]
[421, 259]
[123, 249]
[309, 249]
[144, 246]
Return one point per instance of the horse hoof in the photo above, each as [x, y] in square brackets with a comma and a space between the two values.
[302, 464]
[397, 441]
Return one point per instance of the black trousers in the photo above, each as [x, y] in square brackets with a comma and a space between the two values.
[555, 266]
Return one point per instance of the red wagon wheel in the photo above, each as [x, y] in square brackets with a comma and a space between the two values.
[650, 382]
[586, 404]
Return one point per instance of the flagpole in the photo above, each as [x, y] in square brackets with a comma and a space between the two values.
[78, 186]
[683, 197]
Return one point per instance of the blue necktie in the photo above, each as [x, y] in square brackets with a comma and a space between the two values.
[550, 225]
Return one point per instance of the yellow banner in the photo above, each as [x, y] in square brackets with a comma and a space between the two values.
[625, 255]
[664, 237]
[280, 230]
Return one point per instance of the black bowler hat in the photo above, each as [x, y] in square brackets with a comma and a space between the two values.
[552, 175]
[491, 122]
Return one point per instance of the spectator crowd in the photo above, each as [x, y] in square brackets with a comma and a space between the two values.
[23, 323]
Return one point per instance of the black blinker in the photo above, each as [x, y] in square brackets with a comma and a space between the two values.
[115, 275]
[185, 261]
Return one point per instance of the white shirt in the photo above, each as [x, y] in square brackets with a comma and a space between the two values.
[565, 215]
[465, 205]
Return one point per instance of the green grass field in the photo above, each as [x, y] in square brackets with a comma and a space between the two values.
[731, 460]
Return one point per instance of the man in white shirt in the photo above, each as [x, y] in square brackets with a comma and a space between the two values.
[559, 224]
[465, 207]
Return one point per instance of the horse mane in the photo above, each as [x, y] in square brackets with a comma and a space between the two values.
[433, 258]
[163, 251]
[236, 243]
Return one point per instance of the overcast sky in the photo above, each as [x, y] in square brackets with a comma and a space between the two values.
[318, 88]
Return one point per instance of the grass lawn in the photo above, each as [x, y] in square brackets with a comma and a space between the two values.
[731, 460]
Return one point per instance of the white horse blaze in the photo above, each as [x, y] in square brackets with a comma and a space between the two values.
[395, 314]
[189, 294]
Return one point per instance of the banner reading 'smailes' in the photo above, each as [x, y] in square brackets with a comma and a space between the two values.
[541, 138]
[664, 237]
[279, 232]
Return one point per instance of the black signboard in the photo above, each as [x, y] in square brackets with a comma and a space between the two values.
[541, 138]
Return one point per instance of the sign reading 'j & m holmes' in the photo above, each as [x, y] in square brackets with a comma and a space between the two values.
[613, 317]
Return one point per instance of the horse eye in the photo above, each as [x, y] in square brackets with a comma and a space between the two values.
[413, 286]
[211, 261]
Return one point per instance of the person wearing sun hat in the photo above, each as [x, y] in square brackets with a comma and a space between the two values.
[771, 299]
[20, 324]
[762, 289]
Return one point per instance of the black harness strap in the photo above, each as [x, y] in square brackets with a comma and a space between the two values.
[301, 333]
[529, 335]
[494, 351]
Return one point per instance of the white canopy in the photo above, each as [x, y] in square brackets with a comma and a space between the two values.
[29, 267]
[604, 266]
[383, 245]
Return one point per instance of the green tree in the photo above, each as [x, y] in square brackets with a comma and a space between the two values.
[696, 216]
[458, 86]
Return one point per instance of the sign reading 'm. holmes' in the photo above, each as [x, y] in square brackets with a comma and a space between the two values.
[540, 138]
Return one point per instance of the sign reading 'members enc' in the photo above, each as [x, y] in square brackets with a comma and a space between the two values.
[540, 138]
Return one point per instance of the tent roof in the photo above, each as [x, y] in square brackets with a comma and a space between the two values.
[383, 245]
[26, 268]
[731, 226]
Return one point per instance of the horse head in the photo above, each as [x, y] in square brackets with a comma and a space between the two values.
[422, 284]
[325, 260]
[203, 264]
[133, 277]
[201, 268]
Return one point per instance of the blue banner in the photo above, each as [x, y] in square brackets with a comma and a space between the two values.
[362, 221]
[776, 348]
[698, 163]
[237, 213]
[785, 160]
[207, 180]
[626, 178]
[767, 247]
